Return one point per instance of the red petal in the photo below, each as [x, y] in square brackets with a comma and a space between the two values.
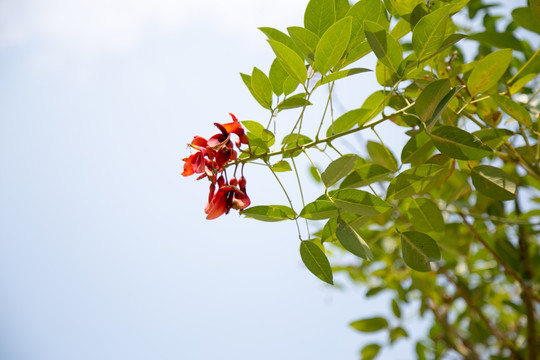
[188, 168]
[217, 206]
[199, 142]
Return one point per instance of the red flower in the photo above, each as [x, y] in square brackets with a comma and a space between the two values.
[211, 159]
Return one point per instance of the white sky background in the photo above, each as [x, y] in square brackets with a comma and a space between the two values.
[104, 249]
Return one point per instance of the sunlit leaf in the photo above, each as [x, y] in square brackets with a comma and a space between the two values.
[318, 210]
[430, 97]
[488, 71]
[425, 215]
[338, 169]
[429, 33]
[319, 15]
[351, 241]
[305, 40]
[269, 213]
[332, 45]
[370, 351]
[513, 109]
[316, 261]
[493, 137]
[261, 88]
[281, 166]
[493, 182]
[417, 180]
[417, 149]
[459, 144]
[359, 202]
[381, 155]
[340, 75]
[347, 121]
[290, 60]
[370, 325]
[386, 48]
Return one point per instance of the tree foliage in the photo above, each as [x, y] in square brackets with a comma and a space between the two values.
[452, 221]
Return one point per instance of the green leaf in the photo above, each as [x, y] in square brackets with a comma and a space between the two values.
[275, 34]
[488, 71]
[316, 261]
[318, 210]
[417, 180]
[365, 173]
[397, 333]
[373, 324]
[338, 169]
[291, 61]
[277, 76]
[443, 104]
[370, 351]
[342, 6]
[372, 10]
[386, 48]
[493, 137]
[261, 88]
[425, 215]
[339, 75]
[270, 213]
[351, 241]
[347, 121]
[493, 182]
[402, 28]
[305, 40]
[281, 166]
[459, 144]
[525, 18]
[247, 81]
[513, 109]
[289, 85]
[294, 102]
[359, 202]
[418, 250]
[417, 149]
[332, 45]
[499, 40]
[259, 131]
[429, 33]
[381, 155]
[521, 82]
[319, 15]
[430, 97]
[395, 308]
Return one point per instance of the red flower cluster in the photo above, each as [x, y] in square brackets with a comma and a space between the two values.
[210, 161]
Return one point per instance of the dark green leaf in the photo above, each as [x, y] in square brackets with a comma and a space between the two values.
[338, 169]
[290, 60]
[397, 333]
[418, 250]
[417, 149]
[443, 104]
[425, 215]
[525, 18]
[269, 213]
[370, 325]
[319, 15]
[395, 308]
[351, 241]
[493, 137]
[316, 261]
[318, 210]
[359, 202]
[459, 144]
[332, 45]
[386, 48]
[493, 182]
[381, 155]
[430, 97]
[488, 71]
[498, 40]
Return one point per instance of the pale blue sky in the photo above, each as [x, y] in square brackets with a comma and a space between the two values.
[104, 250]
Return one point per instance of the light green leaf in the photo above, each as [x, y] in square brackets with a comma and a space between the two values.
[417, 180]
[294, 102]
[425, 215]
[370, 325]
[359, 202]
[247, 81]
[418, 250]
[493, 182]
[318, 210]
[429, 33]
[291, 61]
[281, 166]
[488, 71]
[386, 48]
[277, 76]
[347, 121]
[332, 45]
[370, 351]
[316, 261]
[305, 40]
[442, 105]
[259, 131]
[342, 6]
[381, 155]
[351, 241]
[365, 173]
[275, 34]
[459, 144]
[417, 149]
[521, 82]
[319, 15]
[339, 75]
[270, 213]
[493, 137]
[372, 10]
[430, 97]
[513, 109]
[338, 169]
[289, 85]
[402, 28]
[261, 88]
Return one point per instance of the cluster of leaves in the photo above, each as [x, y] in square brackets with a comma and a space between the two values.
[453, 223]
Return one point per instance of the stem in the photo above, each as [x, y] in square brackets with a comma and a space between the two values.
[528, 276]
[324, 112]
[301, 192]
